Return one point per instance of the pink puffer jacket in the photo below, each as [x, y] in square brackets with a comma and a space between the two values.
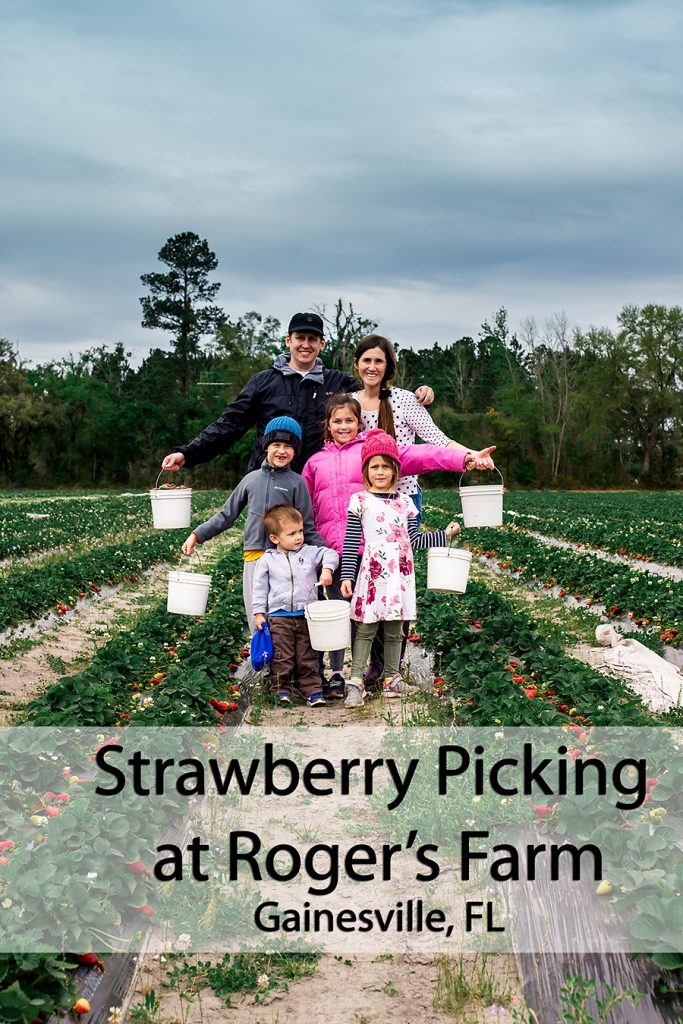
[335, 473]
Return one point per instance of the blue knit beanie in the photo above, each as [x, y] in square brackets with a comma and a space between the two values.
[283, 428]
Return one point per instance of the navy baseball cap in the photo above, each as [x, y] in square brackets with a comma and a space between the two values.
[306, 322]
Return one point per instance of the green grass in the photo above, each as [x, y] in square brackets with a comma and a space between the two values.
[468, 984]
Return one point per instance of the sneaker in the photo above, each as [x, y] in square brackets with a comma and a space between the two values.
[315, 700]
[355, 693]
[397, 687]
[284, 697]
[335, 687]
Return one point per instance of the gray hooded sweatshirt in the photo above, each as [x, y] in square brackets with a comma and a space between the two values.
[285, 581]
[258, 491]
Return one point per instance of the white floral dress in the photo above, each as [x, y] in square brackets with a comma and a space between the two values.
[385, 587]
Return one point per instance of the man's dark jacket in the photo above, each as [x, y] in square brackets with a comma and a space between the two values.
[277, 391]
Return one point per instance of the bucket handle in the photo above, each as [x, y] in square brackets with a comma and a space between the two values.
[451, 546]
[156, 485]
[195, 554]
[190, 557]
[466, 471]
[326, 597]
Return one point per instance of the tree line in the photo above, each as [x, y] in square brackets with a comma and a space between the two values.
[590, 409]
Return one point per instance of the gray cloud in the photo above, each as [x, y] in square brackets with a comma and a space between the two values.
[464, 155]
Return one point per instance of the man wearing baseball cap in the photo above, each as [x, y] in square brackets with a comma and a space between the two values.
[297, 385]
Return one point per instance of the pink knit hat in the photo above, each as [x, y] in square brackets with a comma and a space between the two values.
[378, 442]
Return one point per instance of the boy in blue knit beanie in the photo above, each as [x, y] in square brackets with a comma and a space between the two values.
[273, 484]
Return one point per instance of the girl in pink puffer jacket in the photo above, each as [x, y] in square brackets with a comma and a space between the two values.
[335, 473]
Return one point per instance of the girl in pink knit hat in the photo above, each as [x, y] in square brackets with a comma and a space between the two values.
[334, 474]
[382, 589]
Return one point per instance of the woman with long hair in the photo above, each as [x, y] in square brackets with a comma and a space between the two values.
[392, 409]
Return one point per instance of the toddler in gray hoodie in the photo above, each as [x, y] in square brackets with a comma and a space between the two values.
[285, 581]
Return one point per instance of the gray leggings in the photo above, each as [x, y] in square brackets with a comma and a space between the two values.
[365, 634]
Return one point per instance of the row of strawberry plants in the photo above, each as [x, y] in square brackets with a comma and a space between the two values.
[635, 542]
[585, 520]
[498, 669]
[30, 591]
[646, 597]
[660, 508]
[162, 672]
[642, 850]
[27, 529]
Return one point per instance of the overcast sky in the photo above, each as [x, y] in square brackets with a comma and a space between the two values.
[430, 160]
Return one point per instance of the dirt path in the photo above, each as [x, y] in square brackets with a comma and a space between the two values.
[366, 988]
[673, 571]
[574, 628]
[356, 990]
[71, 643]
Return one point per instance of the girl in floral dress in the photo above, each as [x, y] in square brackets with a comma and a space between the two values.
[334, 474]
[383, 588]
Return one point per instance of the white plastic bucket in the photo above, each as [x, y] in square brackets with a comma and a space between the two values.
[188, 592]
[171, 510]
[448, 569]
[482, 505]
[329, 625]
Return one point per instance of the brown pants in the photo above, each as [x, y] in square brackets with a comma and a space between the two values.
[292, 652]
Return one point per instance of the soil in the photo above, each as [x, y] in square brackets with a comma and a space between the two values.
[659, 568]
[70, 644]
[344, 989]
[65, 645]
[547, 608]
[359, 990]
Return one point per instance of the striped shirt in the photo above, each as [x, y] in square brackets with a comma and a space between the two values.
[354, 534]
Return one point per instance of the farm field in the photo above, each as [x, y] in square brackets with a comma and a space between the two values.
[513, 650]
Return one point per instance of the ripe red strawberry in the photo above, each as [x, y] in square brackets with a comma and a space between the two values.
[87, 959]
[219, 705]
[136, 867]
[90, 960]
[145, 909]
